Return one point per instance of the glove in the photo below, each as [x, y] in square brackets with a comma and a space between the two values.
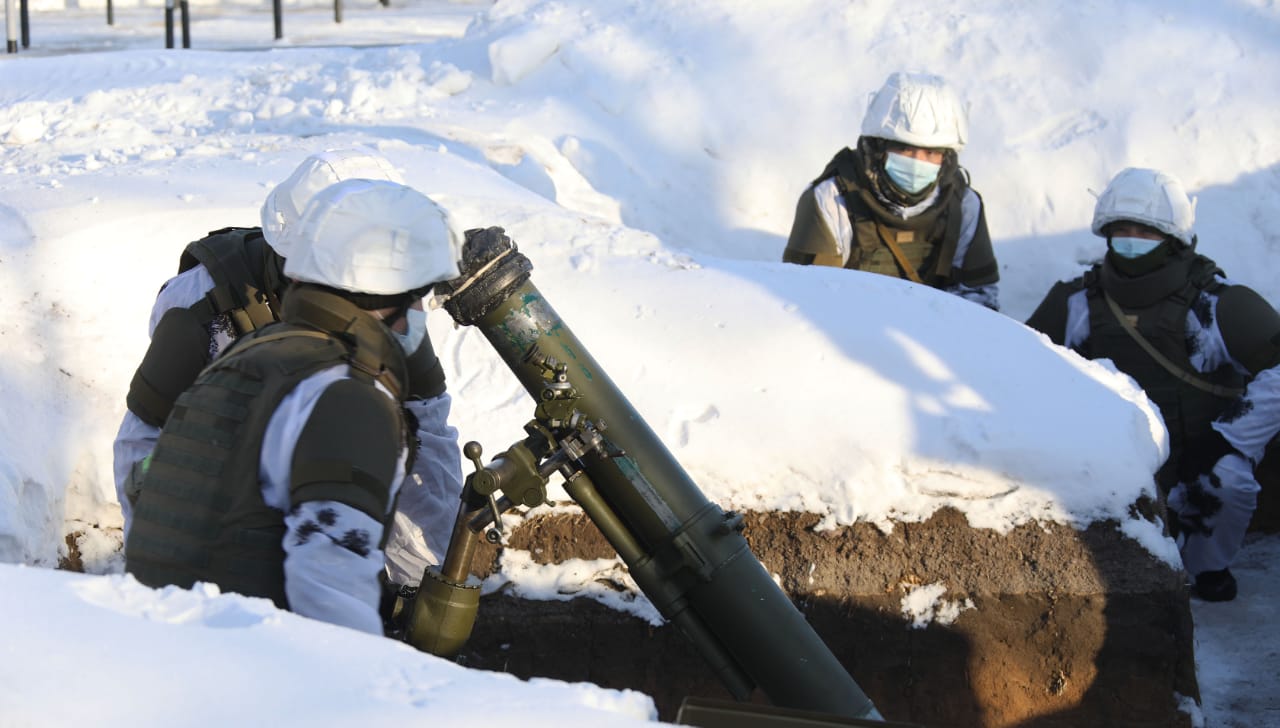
[395, 607]
[1200, 454]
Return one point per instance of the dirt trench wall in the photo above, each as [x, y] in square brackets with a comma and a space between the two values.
[1052, 627]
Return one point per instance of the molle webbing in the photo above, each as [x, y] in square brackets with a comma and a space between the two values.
[242, 266]
[204, 470]
[200, 514]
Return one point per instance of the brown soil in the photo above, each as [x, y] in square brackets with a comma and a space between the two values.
[1068, 628]
[72, 561]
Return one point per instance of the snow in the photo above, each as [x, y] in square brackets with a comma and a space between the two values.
[646, 155]
[923, 605]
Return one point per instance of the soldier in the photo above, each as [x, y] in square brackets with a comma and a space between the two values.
[277, 472]
[900, 204]
[229, 284]
[1205, 350]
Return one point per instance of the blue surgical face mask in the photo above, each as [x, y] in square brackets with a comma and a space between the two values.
[415, 332]
[910, 174]
[1133, 247]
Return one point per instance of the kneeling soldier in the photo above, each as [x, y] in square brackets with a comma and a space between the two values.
[276, 475]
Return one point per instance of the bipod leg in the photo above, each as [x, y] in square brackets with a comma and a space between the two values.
[444, 609]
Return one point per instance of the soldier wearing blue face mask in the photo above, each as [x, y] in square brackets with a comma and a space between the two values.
[1205, 350]
[900, 204]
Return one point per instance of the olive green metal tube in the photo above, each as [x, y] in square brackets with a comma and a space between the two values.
[584, 493]
[462, 543]
[444, 609]
[695, 555]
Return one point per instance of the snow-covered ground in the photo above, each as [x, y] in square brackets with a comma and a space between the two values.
[646, 155]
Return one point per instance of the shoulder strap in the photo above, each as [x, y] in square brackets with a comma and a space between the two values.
[888, 237]
[952, 218]
[1182, 375]
[235, 259]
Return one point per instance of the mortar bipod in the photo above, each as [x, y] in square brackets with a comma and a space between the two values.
[445, 606]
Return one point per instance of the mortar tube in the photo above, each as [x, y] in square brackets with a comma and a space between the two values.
[584, 493]
[692, 551]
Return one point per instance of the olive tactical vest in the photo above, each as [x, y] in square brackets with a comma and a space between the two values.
[1160, 316]
[200, 515]
[247, 276]
[928, 241]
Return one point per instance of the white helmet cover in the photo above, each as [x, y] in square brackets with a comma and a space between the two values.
[917, 109]
[372, 236]
[287, 201]
[1149, 197]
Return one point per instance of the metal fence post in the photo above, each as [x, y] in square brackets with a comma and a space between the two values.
[168, 23]
[10, 27]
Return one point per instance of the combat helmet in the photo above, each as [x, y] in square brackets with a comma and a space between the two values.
[1148, 197]
[377, 239]
[287, 201]
[917, 109]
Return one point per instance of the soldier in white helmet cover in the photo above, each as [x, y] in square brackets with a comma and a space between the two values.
[900, 204]
[1205, 350]
[229, 283]
[277, 472]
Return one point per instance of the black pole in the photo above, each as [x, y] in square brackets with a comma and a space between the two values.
[337, 11]
[24, 19]
[278, 12]
[111, 13]
[186, 24]
[168, 23]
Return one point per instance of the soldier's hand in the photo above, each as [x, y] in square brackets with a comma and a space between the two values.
[396, 606]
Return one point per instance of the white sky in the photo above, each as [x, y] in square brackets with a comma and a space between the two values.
[647, 157]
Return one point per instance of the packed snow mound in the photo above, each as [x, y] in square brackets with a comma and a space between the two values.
[205, 636]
